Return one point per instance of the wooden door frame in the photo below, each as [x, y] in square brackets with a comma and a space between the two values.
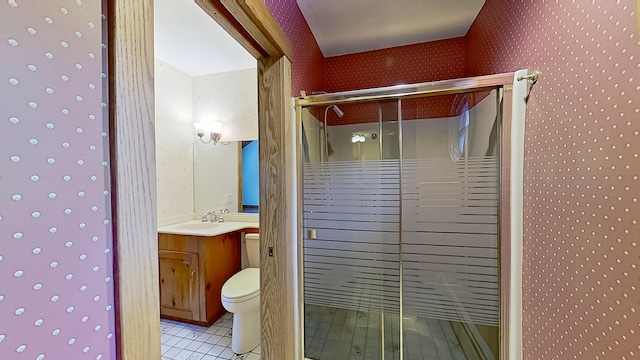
[132, 148]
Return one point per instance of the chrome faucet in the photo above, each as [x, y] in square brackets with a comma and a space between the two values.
[222, 212]
[214, 218]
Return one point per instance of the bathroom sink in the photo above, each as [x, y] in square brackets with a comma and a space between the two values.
[197, 226]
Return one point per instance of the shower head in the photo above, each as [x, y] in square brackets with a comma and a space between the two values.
[338, 111]
[335, 109]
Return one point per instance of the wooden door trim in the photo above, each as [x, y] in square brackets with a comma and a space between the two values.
[251, 24]
[131, 104]
[133, 178]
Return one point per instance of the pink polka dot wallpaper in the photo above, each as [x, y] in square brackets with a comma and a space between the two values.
[436, 60]
[581, 187]
[56, 288]
[306, 65]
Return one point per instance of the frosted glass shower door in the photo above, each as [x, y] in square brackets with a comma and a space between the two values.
[351, 232]
[449, 242]
[400, 228]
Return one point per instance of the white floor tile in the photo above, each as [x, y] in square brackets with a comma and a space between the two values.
[181, 341]
[173, 341]
[171, 353]
[212, 329]
[195, 356]
[222, 331]
[189, 333]
[227, 354]
[216, 350]
[214, 339]
[164, 338]
[204, 348]
[194, 345]
[186, 354]
[225, 341]
[174, 330]
[203, 337]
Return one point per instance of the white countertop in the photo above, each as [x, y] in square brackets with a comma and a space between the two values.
[199, 228]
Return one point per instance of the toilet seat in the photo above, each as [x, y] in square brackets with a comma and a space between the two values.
[243, 286]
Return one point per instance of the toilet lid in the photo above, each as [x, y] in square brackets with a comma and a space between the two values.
[242, 286]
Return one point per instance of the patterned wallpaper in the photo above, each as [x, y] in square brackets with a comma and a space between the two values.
[399, 65]
[230, 98]
[174, 138]
[306, 67]
[189, 177]
[436, 60]
[581, 255]
[56, 292]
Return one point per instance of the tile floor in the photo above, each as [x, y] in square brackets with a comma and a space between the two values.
[339, 334]
[181, 341]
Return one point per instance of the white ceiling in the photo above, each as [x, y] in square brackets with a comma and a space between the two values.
[187, 38]
[351, 26]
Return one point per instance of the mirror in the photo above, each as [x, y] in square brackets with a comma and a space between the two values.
[218, 176]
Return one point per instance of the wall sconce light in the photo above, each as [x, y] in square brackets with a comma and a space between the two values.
[214, 129]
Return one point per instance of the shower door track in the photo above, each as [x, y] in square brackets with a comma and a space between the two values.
[442, 87]
[510, 254]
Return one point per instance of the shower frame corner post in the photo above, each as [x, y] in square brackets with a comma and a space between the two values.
[505, 220]
[299, 284]
[505, 83]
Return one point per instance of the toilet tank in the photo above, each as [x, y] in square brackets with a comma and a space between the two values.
[253, 249]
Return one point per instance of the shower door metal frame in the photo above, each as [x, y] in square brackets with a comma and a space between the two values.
[502, 81]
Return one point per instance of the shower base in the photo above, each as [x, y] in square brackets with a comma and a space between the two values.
[340, 334]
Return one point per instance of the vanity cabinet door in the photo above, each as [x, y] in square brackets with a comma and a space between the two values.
[179, 284]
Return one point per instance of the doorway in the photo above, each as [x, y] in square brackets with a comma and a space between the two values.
[133, 168]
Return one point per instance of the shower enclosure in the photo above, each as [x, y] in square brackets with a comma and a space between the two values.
[405, 242]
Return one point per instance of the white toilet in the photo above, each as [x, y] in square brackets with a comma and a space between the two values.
[241, 296]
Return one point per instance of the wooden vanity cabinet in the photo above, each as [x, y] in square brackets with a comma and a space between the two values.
[192, 272]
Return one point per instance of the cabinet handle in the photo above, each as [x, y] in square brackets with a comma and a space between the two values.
[193, 276]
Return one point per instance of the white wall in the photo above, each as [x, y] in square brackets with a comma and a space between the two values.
[174, 138]
[231, 98]
[314, 135]
[424, 138]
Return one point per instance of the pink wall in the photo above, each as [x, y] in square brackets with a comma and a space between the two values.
[306, 67]
[437, 60]
[56, 288]
[399, 65]
[581, 254]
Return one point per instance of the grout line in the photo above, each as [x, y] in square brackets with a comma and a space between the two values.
[220, 332]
